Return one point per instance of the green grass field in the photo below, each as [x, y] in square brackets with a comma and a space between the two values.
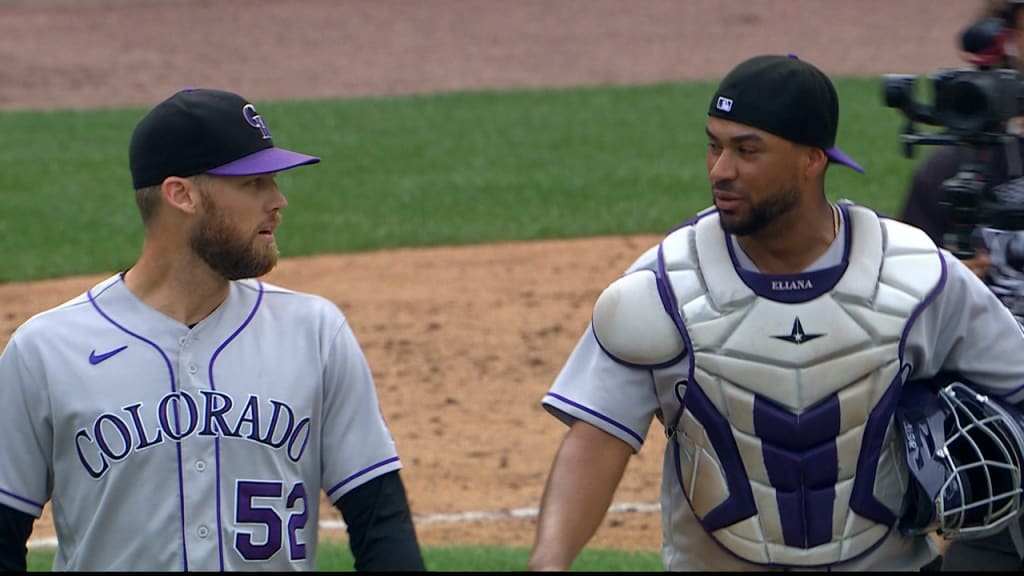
[423, 170]
[420, 170]
[337, 558]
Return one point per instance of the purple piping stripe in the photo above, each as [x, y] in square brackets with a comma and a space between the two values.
[592, 412]
[339, 485]
[668, 298]
[216, 439]
[682, 406]
[847, 231]
[740, 503]
[170, 370]
[862, 498]
[20, 499]
[618, 360]
[924, 303]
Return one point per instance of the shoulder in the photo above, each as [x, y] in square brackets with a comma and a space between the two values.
[292, 309]
[277, 295]
[896, 230]
[961, 290]
[908, 233]
[631, 322]
[646, 261]
[66, 317]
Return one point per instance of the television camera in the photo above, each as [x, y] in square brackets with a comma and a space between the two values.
[972, 109]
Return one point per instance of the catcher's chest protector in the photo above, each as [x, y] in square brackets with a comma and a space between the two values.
[782, 437]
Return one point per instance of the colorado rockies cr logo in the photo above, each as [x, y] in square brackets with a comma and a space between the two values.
[255, 120]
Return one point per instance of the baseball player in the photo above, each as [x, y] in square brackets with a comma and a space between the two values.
[183, 415]
[771, 335]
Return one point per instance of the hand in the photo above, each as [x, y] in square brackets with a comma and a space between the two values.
[979, 263]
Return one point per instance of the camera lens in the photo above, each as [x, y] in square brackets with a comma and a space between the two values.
[967, 99]
[967, 104]
[897, 90]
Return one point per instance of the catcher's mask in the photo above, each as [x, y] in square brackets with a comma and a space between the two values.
[965, 453]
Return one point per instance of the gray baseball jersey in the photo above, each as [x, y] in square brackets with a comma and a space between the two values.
[162, 447]
[964, 329]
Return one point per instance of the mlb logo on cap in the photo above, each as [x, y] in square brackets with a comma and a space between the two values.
[724, 104]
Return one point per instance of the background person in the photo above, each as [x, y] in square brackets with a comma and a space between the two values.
[997, 260]
[999, 253]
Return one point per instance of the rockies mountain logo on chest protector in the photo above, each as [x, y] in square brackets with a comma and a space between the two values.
[781, 436]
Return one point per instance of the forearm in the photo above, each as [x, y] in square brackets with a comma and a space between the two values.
[381, 532]
[586, 471]
[15, 528]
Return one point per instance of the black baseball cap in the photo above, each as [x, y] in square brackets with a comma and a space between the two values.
[785, 96]
[205, 131]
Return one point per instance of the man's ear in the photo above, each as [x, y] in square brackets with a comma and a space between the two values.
[814, 161]
[181, 194]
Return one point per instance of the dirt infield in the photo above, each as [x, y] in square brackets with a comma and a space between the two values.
[464, 341]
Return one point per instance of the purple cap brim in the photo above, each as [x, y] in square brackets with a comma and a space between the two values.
[838, 156]
[264, 162]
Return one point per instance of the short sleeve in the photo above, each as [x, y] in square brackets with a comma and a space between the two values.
[356, 442]
[27, 431]
[594, 388]
[966, 330]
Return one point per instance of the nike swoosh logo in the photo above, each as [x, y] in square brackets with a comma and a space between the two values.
[95, 358]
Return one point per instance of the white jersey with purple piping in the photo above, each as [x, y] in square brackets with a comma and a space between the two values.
[958, 327]
[162, 447]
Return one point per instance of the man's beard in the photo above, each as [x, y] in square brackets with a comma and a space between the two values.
[218, 244]
[763, 213]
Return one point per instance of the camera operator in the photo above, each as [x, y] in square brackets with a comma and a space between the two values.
[998, 255]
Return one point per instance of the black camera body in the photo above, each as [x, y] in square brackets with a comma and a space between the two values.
[973, 108]
[974, 105]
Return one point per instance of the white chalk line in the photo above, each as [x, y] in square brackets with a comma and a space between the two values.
[442, 518]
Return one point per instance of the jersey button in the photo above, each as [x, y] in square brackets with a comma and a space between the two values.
[192, 369]
[200, 465]
[203, 531]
